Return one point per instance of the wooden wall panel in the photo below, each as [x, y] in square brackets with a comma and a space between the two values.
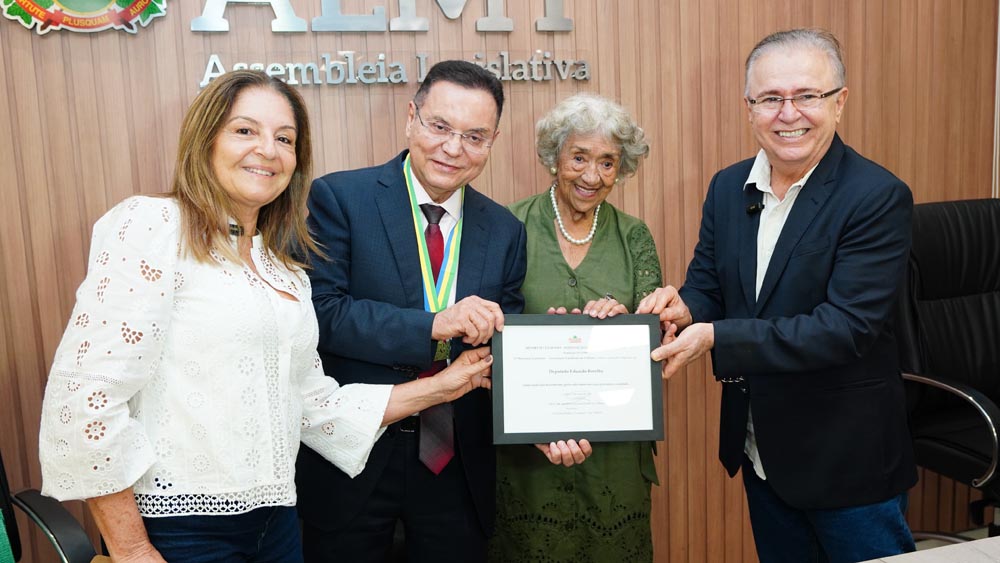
[90, 119]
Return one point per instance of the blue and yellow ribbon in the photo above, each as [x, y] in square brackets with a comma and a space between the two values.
[436, 292]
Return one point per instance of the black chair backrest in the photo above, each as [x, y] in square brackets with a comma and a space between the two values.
[10, 524]
[949, 319]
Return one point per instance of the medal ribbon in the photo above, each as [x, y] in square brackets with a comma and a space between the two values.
[436, 292]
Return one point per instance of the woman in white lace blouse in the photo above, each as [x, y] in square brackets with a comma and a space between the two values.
[188, 373]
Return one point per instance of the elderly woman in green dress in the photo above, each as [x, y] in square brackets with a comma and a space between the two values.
[584, 256]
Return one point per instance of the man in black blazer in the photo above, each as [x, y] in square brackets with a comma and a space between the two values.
[386, 318]
[799, 260]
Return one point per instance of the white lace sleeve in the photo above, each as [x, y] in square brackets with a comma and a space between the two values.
[89, 445]
[342, 423]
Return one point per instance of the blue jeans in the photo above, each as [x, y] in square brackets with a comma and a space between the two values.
[857, 533]
[264, 535]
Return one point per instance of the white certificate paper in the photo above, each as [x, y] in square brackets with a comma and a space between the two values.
[570, 376]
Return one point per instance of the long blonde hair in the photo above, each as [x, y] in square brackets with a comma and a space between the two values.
[206, 208]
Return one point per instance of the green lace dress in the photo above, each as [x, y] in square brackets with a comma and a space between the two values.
[597, 511]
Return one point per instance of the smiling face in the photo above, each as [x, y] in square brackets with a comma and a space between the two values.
[442, 165]
[794, 140]
[253, 156]
[585, 173]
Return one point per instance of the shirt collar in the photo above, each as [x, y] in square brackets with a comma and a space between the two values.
[452, 206]
[760, 174]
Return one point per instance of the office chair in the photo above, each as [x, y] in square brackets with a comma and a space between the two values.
[948, 328]
[60, 528]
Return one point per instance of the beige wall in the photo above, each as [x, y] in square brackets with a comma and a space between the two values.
[86, 120]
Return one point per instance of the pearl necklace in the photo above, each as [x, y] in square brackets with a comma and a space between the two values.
[562, 227]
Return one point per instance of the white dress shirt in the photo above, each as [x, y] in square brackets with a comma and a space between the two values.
[452, 213]
[772, 221]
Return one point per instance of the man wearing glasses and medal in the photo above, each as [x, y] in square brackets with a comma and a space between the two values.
[418, 266]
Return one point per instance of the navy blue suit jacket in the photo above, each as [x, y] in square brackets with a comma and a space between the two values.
[816, 348]
[373, 328]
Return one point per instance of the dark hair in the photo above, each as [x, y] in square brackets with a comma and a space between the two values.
[205, 206]
[465, 74]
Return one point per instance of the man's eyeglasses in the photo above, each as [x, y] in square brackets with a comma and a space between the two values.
[773, 104]
[478, 143]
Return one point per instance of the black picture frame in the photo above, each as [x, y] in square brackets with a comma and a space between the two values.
[502, 437]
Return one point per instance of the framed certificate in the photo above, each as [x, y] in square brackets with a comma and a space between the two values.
[561, 377]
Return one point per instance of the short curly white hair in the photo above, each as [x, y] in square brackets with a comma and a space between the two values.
[584, 114]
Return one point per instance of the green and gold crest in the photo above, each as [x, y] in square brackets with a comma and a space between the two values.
[83, 15]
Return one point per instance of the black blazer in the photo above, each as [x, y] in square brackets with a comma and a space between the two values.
[816, 348]
[373, 328]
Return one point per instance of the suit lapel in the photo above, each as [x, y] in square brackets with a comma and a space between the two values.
[749, 225]
[393, 205]
[475, 239]
[808, 204]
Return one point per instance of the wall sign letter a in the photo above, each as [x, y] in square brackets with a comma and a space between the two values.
[211, 18]
[332, 19]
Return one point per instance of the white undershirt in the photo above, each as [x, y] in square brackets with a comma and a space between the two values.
[452, 213]
[772, 221]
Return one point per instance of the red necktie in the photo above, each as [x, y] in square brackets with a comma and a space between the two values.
[437, 428]
[432, 234]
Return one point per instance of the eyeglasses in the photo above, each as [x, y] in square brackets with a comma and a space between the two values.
[773, 104]
[478, 143]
